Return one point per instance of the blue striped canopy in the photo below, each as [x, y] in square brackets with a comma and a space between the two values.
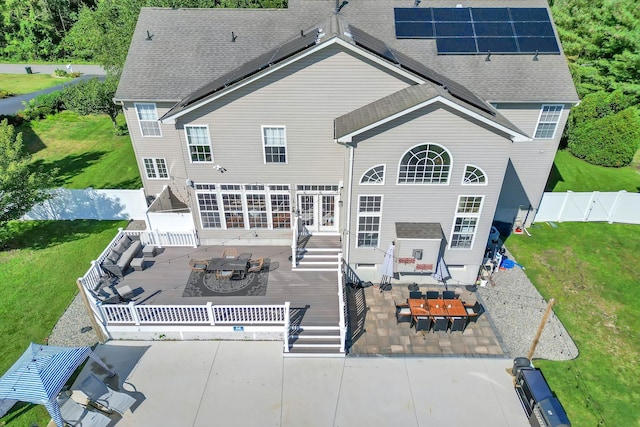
[39, 375]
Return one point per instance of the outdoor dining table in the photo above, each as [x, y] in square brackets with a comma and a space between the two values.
[418, 307]
[238, 266]
[455, 308]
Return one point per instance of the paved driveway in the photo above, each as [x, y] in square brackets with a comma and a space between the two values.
[204, 383]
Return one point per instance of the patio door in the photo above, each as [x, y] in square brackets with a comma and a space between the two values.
[318, 212]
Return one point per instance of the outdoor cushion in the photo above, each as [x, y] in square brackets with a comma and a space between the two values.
[113, 257]
[120, 247]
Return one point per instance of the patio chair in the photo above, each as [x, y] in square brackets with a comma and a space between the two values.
[403, 313]
[474, 311]
[415, 295]
[224, 274]
[448, 295]
[255, 265]
[198, 264]
[230, 253]
[75, 414]
[440, 324]
[458, 324]
[433, 294]
[423, 323]
[104, 396]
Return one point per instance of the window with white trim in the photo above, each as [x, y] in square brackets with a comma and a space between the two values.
[369, 215]
[548, 121]
[425, 164]
[148, 119]
[374, 176]
[274, 141]
[233, 210]
[156, 168]
[199, 143]
[473, 175]
[209, 209]
[466, 222]
[281, 210]
[257, 210]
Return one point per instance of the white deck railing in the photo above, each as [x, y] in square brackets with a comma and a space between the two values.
[343, 307]
[208, 314]
[294, 243]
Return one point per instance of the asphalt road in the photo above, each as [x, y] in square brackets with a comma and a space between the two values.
[10, 106]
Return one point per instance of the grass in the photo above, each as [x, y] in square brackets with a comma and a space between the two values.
[38, 271]
[84, 149]
[26, 83]
[591, 270]
[571, 173]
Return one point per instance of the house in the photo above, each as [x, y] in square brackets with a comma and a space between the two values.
[372, 121]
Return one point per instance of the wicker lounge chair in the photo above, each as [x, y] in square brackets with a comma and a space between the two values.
[255, 265]
[198, 264]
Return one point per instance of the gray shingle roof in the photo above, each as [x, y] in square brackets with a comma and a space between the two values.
[403, 100]
[419, 230]
[193, 47]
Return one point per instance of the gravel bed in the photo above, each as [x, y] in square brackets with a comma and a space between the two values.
[74, 327]
[516, 309]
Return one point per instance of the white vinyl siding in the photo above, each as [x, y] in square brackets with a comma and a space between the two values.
[373, 176]
[148, 119]
[548, 121]
[466, 222]
[156, 168]
[369, 218]
[199, 143]
[274, 141]
[425, 164]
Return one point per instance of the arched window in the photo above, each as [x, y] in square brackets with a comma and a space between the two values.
[473, 175]
[425, 164]
[375, 175]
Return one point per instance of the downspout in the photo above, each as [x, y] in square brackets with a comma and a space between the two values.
[347, 256]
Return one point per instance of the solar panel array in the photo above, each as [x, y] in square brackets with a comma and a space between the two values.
[478, 30]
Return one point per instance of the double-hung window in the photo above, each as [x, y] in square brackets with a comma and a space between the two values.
[466, 221]
[369, 215]
[199, 143]
[148, 119]
[548, 121]
[156, 168]
[208, 205]
[274, 140]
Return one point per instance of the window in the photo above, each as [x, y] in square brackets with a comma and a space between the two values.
[369, 214]
[473, 175]
[148, 119]
[425, 164]
[281, 210]
[373, 176]
[548, 121]
[209, 211]
[466, 222]
[156, 168]
[233, 211]
[275, 144]
[257, 211]
[198, 142]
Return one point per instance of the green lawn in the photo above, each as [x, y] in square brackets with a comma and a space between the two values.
[591, 269]
[25, 83]
[38, 271]
[571, 173]
[84, 149]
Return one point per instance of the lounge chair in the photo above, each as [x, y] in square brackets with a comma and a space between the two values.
[255, 265]
[198, 264]
[75, 414]
[104, 396]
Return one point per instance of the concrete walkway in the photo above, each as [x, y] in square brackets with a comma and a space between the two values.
[203, 383]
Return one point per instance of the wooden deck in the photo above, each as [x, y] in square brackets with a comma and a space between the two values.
[313, 295]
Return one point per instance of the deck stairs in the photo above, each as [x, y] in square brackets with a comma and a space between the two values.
[314, 341]
[318, 253]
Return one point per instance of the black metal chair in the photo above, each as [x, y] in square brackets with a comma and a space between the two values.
[448, 295]
[458, 324]
[440, 324]
[422, 323]
[433, 294]
[403, 313]
[474, 311]
[415, 295]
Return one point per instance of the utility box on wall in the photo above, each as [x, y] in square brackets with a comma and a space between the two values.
[417, 246]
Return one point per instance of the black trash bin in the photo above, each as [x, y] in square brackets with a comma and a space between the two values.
[28, 70]
[519, 363]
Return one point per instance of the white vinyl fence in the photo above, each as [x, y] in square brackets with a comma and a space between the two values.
[91, 204]
[619, 207]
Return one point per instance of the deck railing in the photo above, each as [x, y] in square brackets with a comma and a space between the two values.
[294, 243]
[207, 314]
[344, 310]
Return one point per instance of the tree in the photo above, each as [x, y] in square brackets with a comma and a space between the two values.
[22, 185]
[93, 97]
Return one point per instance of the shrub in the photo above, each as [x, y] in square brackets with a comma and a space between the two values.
[5, 93]
[42, 106]
[609, 141]
[93, 97]
[60, 73]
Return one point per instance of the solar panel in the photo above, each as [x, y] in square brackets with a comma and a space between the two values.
[414, 30]
[371, 44]
[497, 45]
[491, 29]
[456, 45]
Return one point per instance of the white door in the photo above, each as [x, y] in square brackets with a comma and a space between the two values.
[318, 212]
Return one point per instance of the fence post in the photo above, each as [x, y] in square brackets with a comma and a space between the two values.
[194, 237]
[287, 304]
[294, 242]
[212, 320]
[134, 314]
[567, 196]
[615, 204]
